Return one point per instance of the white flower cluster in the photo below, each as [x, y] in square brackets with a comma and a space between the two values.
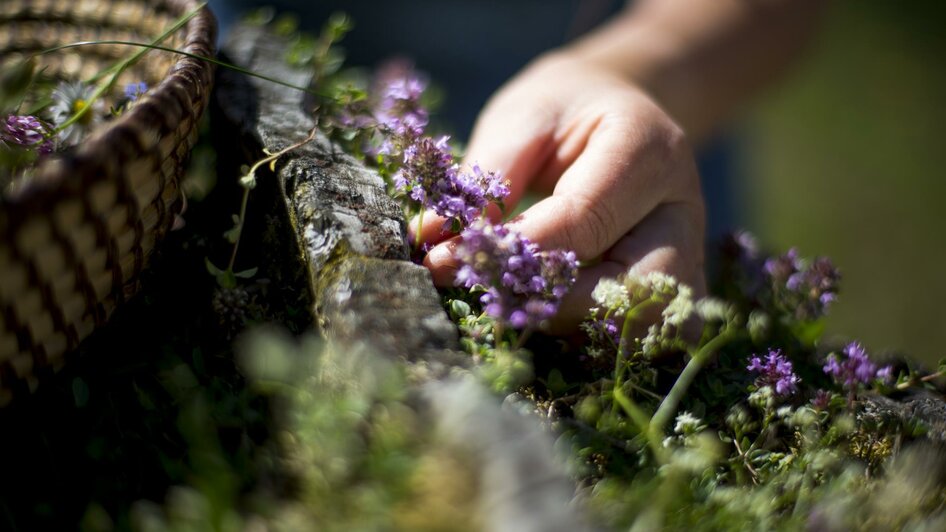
[680, 308]
[687, 423]
[711, 309]
[611, 295]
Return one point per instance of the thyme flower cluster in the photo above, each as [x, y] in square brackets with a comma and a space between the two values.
[808, 288]
[854, 368]
[429, 175]
[775, 371]
[524, 286]
[400, 112]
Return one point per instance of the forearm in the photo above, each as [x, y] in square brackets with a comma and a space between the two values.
[700, 58]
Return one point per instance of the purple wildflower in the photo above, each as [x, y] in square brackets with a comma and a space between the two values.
[494, 187]
[426, 162]
[26, 131]
[821, 400]
[133, 91]
[885, 374]
[808, 289]
[780, 269]
[399, 112]
[774, 371]
[559, 268]
[855, 368]
[430, 177]
[523, 285]
[604, 336]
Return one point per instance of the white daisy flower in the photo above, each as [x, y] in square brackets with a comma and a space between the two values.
[69, 98]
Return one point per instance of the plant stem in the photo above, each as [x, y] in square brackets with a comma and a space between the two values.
[638, 417]
[121, 67]
[753, 474]
[497, 333]
[668, 407]
[625, 337]
[420, 225]
[212, 60]
[246, 190]
[925, 378]
[523, 337]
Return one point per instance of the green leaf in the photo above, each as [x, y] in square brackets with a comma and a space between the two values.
[232, 235]
[246, 274]
[227, 280]
[459, 309]
[212, 269]
[556, 383]
[15, 82]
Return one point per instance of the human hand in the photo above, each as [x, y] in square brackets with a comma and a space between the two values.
[621, 177]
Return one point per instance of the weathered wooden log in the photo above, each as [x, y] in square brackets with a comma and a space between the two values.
[350, 233]
[351, 236]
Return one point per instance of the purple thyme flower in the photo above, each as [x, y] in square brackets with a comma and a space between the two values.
[855, 368]
[399, 112]
[430, 177]
[808, 289]
[821, 400]
[559, 268]
[523, 285]
[426, 162]
[780, 269]
[494, 187]
[133, 91]
[604, 336]
[885, 374]
[27, 131]
[774, 371]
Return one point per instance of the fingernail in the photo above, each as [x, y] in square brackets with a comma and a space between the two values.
[440, 255]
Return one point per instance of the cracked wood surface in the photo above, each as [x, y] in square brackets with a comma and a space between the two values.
[351, 235]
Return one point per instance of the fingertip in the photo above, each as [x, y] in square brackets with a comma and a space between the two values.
[442, 264]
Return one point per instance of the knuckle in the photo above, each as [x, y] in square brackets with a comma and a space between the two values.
[595, 224]
[676, 138]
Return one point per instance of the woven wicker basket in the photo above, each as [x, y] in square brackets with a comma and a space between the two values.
[74, 239]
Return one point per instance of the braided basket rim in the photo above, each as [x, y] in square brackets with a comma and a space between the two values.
[54, 175]
[75, 236]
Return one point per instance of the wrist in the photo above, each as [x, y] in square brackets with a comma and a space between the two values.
[627, 47]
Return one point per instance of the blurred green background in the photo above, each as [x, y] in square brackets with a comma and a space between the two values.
[846, 159]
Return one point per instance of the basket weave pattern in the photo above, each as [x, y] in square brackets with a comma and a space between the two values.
[74, 239]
